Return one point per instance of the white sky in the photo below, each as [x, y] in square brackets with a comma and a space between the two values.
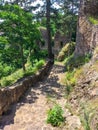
[38, 2]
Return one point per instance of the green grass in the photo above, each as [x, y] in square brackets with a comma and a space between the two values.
[93, 20]
[11, 79]
[72, 62]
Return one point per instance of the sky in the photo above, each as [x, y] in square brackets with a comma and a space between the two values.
[36, 2]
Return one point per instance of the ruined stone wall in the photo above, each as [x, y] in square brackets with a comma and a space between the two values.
[12, 94]
[87, 33]
[90, 7]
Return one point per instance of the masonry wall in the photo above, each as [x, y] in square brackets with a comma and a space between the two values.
[12, 94]
[87, 33]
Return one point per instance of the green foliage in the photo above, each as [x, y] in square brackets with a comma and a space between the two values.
[74, 62]
[5, 70]
[68, 89]
[70, 81]
[43, 53]
[85, 120]
[55, 116]
[73, 69]
[40, 64]
[70, 77]
[20, 32]
[30, 71]
[66, 51]
[10, 79]
[93, 20]
[6, 81]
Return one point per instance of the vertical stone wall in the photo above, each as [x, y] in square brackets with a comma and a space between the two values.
[87, 33]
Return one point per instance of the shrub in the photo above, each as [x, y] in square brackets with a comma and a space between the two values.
[5, 70]
[66, 51]
[30, 71]
[6, 81]
[70, 81]
[68, 89]
[55, 116]
[75, 62]
[85, 119]
[39, 64]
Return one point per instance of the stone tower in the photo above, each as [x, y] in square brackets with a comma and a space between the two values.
[87, 33]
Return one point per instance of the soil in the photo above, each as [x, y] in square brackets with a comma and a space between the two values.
[30, 113]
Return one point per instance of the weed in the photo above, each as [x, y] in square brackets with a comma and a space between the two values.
[85, 118]
[75, 62]
[55, 116]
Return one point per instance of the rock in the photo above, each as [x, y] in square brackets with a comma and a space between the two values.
[94, 92]
[94, 121]
[73, 122]
[87, 33]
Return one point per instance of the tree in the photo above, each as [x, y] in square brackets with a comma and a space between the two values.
[18, 30]
[48, 29]
[70, 13]
[48, 25]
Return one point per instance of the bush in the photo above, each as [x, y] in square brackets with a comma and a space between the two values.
[5, 70]
[9, 80]
[6, 81]
[39, 64]
[75, 62]
[30, 72]
[70, 77]
[66, 51]
[70, 81]
[43, 53]
[55, 116]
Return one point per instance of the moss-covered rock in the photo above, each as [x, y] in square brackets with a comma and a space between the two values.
[66, 51]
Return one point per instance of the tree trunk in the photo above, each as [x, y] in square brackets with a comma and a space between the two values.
[48, 4]
[22, 58]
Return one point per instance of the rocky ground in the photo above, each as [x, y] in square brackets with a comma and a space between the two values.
[84, 98]
[30, 112]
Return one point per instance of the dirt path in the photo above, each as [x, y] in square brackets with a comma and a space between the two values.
[30, 112]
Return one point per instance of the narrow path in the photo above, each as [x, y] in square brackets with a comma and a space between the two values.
[30, 112]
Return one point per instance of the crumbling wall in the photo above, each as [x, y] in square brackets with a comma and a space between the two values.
[87, 33]
[12, 94]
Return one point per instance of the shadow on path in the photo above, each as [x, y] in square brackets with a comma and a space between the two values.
[48, 86]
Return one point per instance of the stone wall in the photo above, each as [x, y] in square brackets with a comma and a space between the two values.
[12, 94]
[90, 7]
[87, 33]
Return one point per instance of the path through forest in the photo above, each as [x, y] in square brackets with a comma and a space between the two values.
[30, 112]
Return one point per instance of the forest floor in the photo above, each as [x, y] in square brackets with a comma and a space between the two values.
[30, 113]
